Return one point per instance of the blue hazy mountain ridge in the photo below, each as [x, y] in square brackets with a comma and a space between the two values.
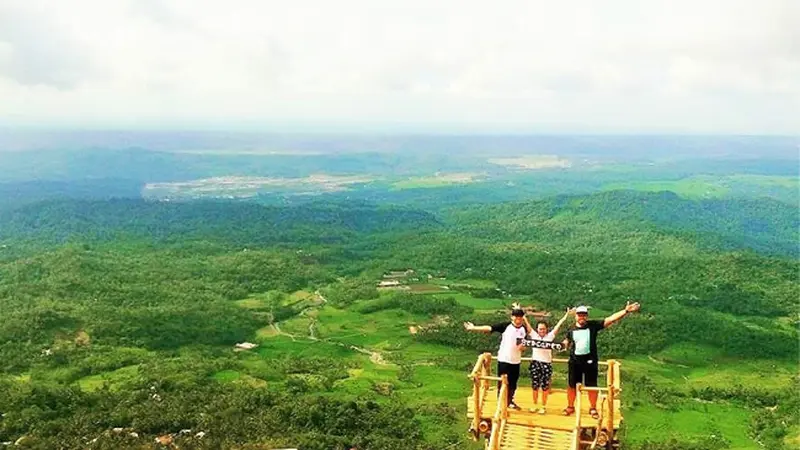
[98, 165]
[157, 166]
[24, 192]
[764, 226]
[629, 147]
[398, 156]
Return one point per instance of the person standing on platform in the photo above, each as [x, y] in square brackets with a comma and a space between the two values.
[583, 359]
[541, 368]
[509, 356]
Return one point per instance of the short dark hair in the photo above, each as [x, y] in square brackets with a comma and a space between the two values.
[518, 313]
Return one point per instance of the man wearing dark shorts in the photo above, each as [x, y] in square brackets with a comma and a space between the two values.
[509, 356]
[583, 359]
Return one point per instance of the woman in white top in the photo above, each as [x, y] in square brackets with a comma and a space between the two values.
[541, 369]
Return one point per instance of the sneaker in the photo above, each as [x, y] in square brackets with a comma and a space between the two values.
[514, 406]
[542, 410]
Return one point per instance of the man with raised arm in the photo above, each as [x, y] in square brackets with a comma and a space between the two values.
[541, 368]
[509, 356]
[582, 343]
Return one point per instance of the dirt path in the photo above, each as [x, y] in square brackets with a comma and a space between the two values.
[311, 335]
[375, 357]
[278, 330]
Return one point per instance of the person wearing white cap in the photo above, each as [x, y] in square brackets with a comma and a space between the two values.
[582, 343]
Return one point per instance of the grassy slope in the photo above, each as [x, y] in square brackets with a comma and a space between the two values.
[687, 367]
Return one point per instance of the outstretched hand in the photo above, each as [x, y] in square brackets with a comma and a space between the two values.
[469, 326]
[516, 305]
[632, 307]
[571, 311]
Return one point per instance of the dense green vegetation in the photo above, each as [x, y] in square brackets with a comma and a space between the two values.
[234, 223]
[123, 314]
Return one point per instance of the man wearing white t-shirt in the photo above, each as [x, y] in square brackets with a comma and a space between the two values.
[509, 356]
[541, 368]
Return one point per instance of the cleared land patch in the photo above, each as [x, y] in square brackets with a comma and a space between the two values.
[243, 187]
[437, 180]
[705, 186]
[532, 162]
[115, 378]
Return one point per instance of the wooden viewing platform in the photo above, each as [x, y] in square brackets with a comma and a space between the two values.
[510, 429]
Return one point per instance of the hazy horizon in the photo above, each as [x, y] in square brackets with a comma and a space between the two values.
[321, 142]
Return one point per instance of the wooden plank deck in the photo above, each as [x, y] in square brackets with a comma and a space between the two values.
[553, 420]
[520, 437]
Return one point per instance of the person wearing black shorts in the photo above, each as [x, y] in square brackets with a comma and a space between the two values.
[582, 343]
[509, 356]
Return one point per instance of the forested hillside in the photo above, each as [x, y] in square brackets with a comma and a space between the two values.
[119, 318]
[235, 223]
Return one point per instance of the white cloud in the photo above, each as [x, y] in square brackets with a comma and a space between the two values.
[615, 65]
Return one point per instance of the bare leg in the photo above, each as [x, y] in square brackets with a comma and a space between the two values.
[571, 397]
[535, 396]
[593, 399]
[545, 393]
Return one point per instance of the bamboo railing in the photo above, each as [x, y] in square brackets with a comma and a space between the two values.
[599, 429]
[481, 376]
[500, 415]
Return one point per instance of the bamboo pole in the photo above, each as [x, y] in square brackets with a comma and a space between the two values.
[499, 414]
[478, 365]
[504, 400]
[599, 427]
[613, 372]
[487, 368]
[488, 378]
[476, 405]
[555, 360]
[595, 389]
[577, 433]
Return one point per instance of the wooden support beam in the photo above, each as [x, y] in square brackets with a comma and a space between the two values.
[476, 405]
[478, 365]
[577, 433]
[613, 372]
[491, 378]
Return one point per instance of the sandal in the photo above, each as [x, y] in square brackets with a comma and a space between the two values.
[594, 414]
[569, 410]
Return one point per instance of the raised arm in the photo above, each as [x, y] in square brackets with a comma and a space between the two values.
[563, 319]
[629, 308]
[528, 327]
[469, 326]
